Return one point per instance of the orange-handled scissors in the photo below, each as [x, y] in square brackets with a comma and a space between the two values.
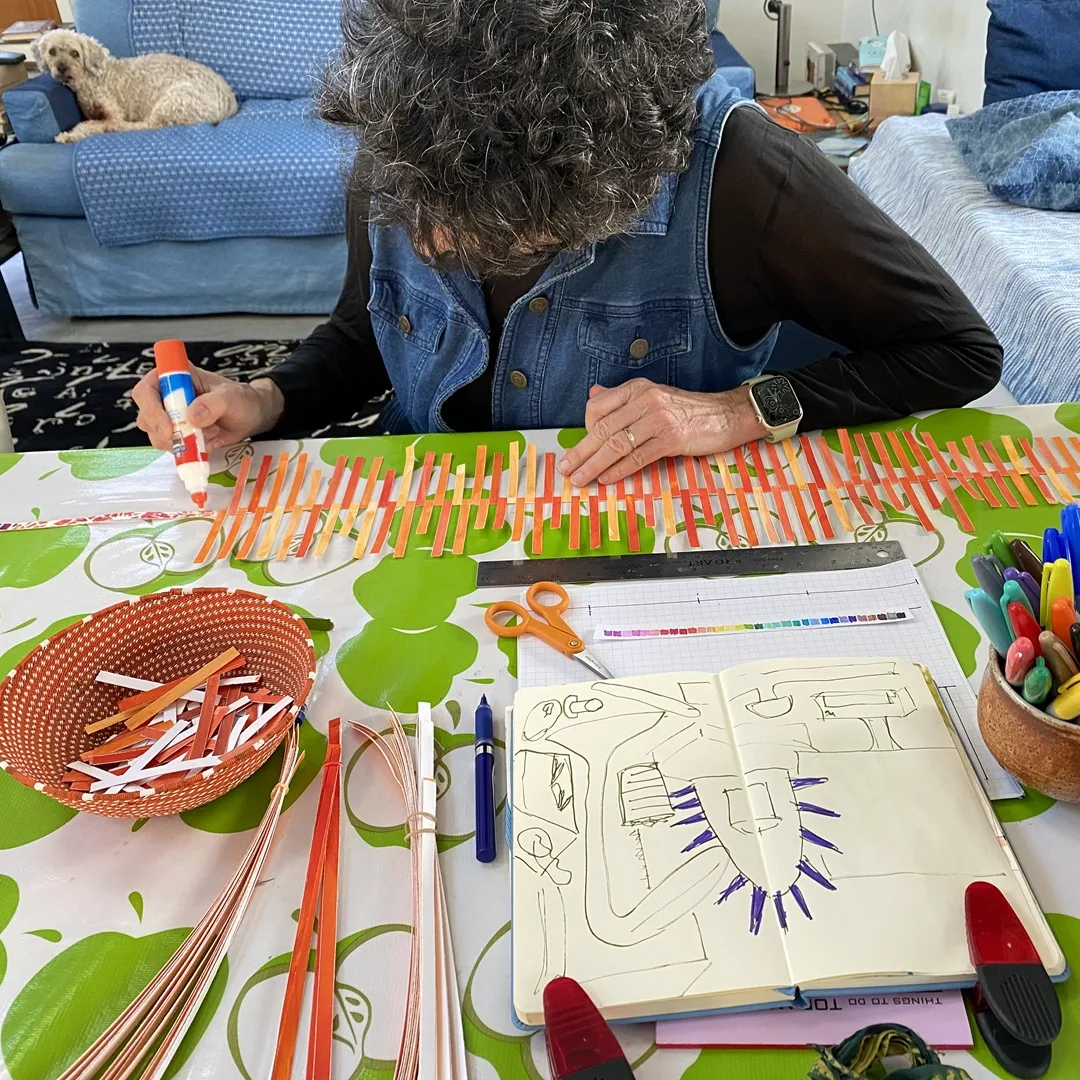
[550, 627]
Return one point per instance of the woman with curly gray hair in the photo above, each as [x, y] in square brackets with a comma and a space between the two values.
[559, 215]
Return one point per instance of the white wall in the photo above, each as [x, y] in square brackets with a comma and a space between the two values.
[948, 39]
[747, 28]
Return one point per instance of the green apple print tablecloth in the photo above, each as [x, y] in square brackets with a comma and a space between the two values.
[90, 908]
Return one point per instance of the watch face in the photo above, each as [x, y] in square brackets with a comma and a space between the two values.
[777, 401]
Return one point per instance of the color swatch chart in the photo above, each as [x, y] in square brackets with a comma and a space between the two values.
[626, 633]
[800, 490]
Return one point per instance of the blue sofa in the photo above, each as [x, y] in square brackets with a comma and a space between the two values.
[99, 238]
[270, 54]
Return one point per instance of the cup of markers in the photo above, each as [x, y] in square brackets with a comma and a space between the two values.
[1029, 705]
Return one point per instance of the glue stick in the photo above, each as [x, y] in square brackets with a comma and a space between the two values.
[177, 394]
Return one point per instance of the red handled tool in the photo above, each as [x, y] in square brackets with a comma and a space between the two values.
[1016, 1007]
[580, 1044]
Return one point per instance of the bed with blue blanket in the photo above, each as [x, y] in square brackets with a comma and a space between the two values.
[995, 196]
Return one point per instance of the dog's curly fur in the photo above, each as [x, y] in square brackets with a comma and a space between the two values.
[131, 94]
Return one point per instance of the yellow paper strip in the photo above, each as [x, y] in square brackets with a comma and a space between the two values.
[407, 475]
[512, 496]
[369, 487]
[763, 512]
[725, 475]
[666, 504]
[298, 513]
[793, 461]
[479, 473]
[276, 511]
[363, 534]
[612, 514]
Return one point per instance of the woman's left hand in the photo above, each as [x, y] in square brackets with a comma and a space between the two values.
[634, 424]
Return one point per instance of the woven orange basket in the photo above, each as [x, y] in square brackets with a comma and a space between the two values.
[49, 698]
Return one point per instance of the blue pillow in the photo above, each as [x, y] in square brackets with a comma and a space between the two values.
[1032, 46]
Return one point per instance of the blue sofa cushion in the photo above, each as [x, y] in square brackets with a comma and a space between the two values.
[262, 48]
[38, 179]
[731, 65]
[1032, 46]
[40, 108]
[107, 20]
[271, 170]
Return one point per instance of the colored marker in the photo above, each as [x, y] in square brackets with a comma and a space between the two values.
[1027, 583]
[1058, 659]
[1025, 558]
[1062, 618]
[1070, 530]
[990, 619]
[1044, 594]
[1019, 661]
[177, 394]
[1060, 584]
[485, 786]
[580, 1044]
[1037, 683]
[1074, 639]
[1024, 625]
[988, 576]
[998, 546]
[1053, 548]
[1012, 593]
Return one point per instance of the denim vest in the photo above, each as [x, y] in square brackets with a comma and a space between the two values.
[637, 305]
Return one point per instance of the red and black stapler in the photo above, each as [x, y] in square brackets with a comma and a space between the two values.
[580, 1044]
[1015, 1005]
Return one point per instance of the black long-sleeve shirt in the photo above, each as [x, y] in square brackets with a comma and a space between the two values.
[790, 238]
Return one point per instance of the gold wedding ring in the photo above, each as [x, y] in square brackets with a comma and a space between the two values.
[630, 438]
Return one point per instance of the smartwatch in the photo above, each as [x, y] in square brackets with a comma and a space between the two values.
[776, 405]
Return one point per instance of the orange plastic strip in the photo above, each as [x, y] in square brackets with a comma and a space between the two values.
[982, 471]
[626, 490]
[652, 494]
[1037, 471]
[870, 479]
[496, 492]
[575, 519]
[800, 507]
[437, 498]
[238, 519]
[611, 494]
[666, 505]
[684, 497]
[295, 507]
[405, 526]
[722, 494]
[333, 515]
[444, 523]
[557, 497]
[389, 507]
[919, 476]
[206, 716]
[261, 511]
[891, 479]
[279, 511]
[221, 515]
[965, 472]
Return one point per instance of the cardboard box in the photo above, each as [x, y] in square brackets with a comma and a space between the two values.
[893, 98]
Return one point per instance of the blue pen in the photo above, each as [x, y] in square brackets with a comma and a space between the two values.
[1026, 582]
[485, 783]
[991, 619]
[987, 575]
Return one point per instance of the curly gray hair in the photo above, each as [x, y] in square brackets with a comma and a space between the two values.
[501, 132]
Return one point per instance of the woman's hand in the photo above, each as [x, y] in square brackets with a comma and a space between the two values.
[227, 412]
[632, 425]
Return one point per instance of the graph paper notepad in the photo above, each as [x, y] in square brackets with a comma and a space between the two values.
[728, 601]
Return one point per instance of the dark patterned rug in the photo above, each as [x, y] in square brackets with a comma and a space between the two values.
[69, 397]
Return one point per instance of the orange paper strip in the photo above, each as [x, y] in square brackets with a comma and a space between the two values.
[167, 697]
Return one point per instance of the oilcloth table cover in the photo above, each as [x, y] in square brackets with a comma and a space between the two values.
[90, 908]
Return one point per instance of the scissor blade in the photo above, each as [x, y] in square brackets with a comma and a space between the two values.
[593, 664]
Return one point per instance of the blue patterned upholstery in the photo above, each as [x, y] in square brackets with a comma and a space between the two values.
[262, 48]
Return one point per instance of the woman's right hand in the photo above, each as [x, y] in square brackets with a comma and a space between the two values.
[227, 412]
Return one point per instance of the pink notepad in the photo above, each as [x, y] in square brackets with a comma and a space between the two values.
[940, 1018]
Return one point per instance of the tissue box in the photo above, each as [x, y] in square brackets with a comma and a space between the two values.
[893, 98]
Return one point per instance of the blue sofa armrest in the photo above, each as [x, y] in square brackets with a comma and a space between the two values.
[40, 108]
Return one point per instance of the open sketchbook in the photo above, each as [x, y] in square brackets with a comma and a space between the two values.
[694, 842]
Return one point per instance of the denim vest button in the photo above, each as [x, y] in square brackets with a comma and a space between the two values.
[639, 348]
[538, 305]
[518, 379]
[403, 322]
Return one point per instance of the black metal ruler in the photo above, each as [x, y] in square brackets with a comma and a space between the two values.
[810, 558]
